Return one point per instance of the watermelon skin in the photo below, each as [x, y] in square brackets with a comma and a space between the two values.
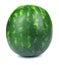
[29, 30]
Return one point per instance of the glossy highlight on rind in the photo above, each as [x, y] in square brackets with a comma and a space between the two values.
[29, 30]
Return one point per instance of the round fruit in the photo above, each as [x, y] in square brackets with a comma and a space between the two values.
[29, 30]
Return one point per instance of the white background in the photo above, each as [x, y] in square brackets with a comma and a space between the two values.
[51, 55]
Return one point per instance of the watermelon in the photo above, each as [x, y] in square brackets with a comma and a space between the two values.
[29, 30]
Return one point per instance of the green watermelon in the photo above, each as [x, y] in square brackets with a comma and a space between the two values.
[29, 30]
